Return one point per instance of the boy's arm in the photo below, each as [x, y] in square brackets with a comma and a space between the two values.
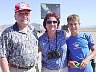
[89, 57]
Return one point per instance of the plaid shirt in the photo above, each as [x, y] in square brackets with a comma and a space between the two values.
[20, 48]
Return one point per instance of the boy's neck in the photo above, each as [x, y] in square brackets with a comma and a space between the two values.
[74, 34]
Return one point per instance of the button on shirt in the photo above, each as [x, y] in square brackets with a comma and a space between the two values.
[20, 48]
[47, 45]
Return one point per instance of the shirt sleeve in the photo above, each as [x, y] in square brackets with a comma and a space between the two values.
[90, 40]
[2, 47]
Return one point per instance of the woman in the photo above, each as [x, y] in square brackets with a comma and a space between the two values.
[53, 46]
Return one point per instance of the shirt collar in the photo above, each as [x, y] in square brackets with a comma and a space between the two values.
[16, 28]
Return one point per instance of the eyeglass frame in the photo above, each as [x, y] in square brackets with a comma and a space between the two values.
[50, 22]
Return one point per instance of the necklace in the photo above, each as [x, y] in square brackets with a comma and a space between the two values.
[52, 42]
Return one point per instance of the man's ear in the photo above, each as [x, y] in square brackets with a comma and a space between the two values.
[15, 16]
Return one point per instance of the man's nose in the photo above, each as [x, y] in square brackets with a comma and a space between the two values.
[25, 15]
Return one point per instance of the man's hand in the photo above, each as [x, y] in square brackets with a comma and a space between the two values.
[4, 64]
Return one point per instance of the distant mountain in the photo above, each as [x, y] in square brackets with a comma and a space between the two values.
[38, 27]
[2, 27]
[88, 26]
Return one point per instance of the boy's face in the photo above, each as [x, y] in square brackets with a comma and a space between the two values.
[74, 26]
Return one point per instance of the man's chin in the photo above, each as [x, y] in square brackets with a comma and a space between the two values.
[25, 22]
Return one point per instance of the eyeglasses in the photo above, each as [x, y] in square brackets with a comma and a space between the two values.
[23, 13]
[50, 22]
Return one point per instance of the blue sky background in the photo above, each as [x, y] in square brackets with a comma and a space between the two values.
[85, 8]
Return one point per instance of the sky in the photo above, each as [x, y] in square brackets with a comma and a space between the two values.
[84, 8]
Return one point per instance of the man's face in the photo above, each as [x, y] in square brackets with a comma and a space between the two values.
[22, 17]
[74, 26]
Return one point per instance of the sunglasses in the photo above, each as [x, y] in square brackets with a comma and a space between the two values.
[50, 22]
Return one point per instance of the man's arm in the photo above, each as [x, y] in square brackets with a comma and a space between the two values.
[4, 64]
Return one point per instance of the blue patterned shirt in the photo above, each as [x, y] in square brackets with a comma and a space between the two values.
[20, 48]
[79, 47]
[47, 45]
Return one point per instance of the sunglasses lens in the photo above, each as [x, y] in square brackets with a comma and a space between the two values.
[54, 21]
[50, 22]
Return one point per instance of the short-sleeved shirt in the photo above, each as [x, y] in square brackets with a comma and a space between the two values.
[48, 45]
[79, 48]
[20, 48]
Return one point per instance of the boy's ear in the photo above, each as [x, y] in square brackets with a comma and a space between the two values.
[67, 24]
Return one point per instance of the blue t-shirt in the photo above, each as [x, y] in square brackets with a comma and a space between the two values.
[79, 47]
[48, 45]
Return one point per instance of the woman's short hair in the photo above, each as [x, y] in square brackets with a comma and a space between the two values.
[52, 14]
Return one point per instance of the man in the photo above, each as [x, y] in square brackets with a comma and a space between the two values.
[19, 46]
[79, 46]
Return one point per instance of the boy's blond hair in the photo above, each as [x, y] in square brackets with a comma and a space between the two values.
[73, 17]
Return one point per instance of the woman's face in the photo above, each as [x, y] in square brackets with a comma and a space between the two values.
[51, 24]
